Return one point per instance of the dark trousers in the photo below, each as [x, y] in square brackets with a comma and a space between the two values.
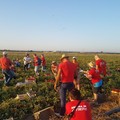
[26, 66]
[8, 76]
[63, 89]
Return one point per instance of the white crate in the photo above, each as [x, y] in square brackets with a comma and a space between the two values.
[22, 97]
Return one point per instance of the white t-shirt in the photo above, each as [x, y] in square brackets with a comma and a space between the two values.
[26, 60]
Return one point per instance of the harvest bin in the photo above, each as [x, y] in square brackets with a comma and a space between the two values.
[44, 114]
[115, 94]
[30, 80]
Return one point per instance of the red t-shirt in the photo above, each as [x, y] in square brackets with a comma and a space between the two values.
[43, 61]
[36, 61]
[76, 65]
[5, 63]
[67, 71]
[95, 75]
[101, 66]
[83, 111]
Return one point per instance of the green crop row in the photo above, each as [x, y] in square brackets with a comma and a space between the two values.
[45, 93]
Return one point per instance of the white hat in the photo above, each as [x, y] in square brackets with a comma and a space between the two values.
[53, 62]
[74, 58]
[4, 53]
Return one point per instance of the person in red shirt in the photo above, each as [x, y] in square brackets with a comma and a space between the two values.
[100, 65]
[66, 73]
[83, 110]
[36, 64]
[5, 64]
[43, 64]
[77, 78]
[94, 76]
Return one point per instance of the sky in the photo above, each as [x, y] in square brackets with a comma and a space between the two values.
[65, 25]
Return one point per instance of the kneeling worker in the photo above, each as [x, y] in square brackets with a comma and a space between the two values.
[77, 109]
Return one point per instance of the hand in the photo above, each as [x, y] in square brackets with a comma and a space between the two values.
[85, 75]
[54, 74]
[55, 86]
[81, 71]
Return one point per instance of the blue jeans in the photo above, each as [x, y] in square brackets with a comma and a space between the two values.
[43, 68]
[8, 76]
[63, 89]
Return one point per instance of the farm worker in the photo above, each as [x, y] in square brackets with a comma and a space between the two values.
[17, 63]
[36, 64]
[43, 64]
[6, 63]
[27, 61]
[100, 65]
[94, 76]
[66, 73]
[77, 78]
[83, 109]
[54, 68]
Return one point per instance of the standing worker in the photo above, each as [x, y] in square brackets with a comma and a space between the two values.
[37, 62]
[66, 73]
[6, 68]
[94, 76]
[54, 68]
[77, 78]
[100, 65]
[27, 61]
[43, 63]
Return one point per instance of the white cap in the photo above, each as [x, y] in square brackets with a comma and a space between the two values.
[53, 62]
[74, 57]
[4, 53]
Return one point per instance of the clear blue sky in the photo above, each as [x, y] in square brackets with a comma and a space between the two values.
[72, 25]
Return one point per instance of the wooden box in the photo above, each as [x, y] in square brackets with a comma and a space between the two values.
[44, 114]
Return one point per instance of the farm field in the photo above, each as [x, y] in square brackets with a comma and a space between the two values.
[46, 95]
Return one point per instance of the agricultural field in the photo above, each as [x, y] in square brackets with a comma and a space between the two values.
[45, 94]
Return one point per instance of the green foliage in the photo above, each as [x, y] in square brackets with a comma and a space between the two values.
[45, 93]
